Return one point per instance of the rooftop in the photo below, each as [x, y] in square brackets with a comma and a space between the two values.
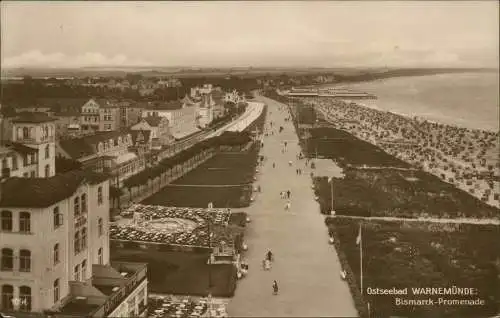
[44, 192]
[153, 121]
[85, 146]
[20, 148]
[32, 117]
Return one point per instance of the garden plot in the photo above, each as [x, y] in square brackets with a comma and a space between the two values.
[398, 193]
[414, 255]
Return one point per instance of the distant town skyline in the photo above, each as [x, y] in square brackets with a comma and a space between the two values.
[258, 34]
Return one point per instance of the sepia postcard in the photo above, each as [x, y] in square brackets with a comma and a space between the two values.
[198, 159]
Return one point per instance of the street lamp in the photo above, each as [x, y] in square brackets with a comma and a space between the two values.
[209, 296]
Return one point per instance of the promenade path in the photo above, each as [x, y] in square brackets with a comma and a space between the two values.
[306, 266]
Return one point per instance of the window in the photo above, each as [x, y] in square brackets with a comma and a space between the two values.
[25, 298]
[84, 269]
[56, 290]
[76, 243]
[6, 221]
[26, 133]
[7, 259]
[99, 195]
[14, 163]
[25, 261]
[84, 203]
[19, 133]
[47, 171]
[84, 238]
[57, 217]
[55, 254]
[24, 222]
[100, 258]
[7, 296]
[76, 206]
[100, 229]
[76, 272]
[47, 152]
[32, 174]
[25, 160]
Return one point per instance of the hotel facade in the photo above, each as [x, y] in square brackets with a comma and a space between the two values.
[54, 243]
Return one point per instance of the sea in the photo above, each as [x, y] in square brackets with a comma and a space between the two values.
[468, 100]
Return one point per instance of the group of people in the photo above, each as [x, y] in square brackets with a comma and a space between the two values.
[266, 263]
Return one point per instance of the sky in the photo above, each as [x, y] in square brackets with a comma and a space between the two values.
[255, 33]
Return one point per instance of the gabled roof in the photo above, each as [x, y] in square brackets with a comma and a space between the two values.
[44, 192]
[153, 121]
[145, 134]
[32, 117]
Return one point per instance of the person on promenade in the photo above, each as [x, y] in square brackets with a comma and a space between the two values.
[287, 206]
[269, 256]
[274, 165]
[288, 194]
[275, 288]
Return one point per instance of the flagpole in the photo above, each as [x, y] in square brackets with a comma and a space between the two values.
[331, 186]
[361, 256]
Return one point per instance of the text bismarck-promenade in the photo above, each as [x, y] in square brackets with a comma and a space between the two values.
[452, 296]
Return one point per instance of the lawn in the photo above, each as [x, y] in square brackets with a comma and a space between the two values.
[236, 170]
[182, 273]
[402, 255]
[398, 193]
[348, 150]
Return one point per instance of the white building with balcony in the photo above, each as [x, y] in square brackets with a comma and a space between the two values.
[54, 244]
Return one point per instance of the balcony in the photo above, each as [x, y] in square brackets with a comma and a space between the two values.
[105, 291]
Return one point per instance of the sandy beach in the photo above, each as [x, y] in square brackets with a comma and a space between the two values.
[466, 158]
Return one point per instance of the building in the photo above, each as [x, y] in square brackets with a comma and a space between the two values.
[205, 110]
[54, 243]
[182, 117]
[197, 92]
[141, 142]
[33, 136]
[89, 118]
[218, 108]
[67, 124]
[130, 114]
[104, 151]
[109, 116]
[170, 82]
[233, 97]
[159, 129]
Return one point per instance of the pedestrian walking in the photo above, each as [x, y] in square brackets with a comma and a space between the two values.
[288, 194]
[290, 163]
[287, 206]
[274, 165]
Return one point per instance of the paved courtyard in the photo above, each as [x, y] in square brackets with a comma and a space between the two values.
[306, 266]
